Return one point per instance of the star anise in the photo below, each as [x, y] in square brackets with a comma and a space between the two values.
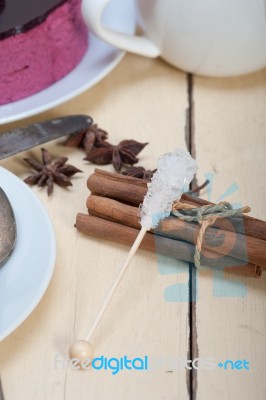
[139, 172]
[124, 153]
[87, 139]
[50, 172]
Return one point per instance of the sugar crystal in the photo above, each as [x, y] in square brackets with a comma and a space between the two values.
[175, 171]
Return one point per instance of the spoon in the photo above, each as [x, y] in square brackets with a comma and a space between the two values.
[1, 391]
[7, 228]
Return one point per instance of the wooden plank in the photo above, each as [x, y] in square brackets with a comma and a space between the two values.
[229, 142]
[146, 100]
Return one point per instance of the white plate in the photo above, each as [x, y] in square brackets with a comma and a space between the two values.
[25, 276]
[99, 61]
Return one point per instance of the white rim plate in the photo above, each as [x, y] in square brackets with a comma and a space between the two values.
[100, 59]
[25, 276]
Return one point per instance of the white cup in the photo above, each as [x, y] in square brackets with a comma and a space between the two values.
[204, 37]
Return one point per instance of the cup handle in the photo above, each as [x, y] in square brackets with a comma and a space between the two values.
[92, 11]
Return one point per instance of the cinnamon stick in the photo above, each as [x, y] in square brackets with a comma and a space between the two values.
[104, 229]
[131, 191]
[223, 242]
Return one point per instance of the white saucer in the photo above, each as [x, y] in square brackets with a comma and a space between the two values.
[100, 60]
[25, 276]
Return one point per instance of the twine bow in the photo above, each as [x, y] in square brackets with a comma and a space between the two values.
[205, 216]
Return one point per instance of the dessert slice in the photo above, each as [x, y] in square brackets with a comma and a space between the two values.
[40, 42]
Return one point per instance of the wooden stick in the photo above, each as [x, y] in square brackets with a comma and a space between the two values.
[131, 191]
[104, 229]
[241, 247]
[112, 291]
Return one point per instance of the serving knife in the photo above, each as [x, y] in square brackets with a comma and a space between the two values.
[21, 139]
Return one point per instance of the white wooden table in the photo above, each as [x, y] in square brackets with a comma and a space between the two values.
[223, 124]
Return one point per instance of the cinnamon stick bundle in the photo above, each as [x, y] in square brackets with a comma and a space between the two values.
[118, 233]
[243, 238]
[131, 191]
[223, 242]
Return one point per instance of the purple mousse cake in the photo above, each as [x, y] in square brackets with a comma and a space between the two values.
[40, 43]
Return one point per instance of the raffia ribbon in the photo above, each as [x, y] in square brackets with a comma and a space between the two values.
[205, 216]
